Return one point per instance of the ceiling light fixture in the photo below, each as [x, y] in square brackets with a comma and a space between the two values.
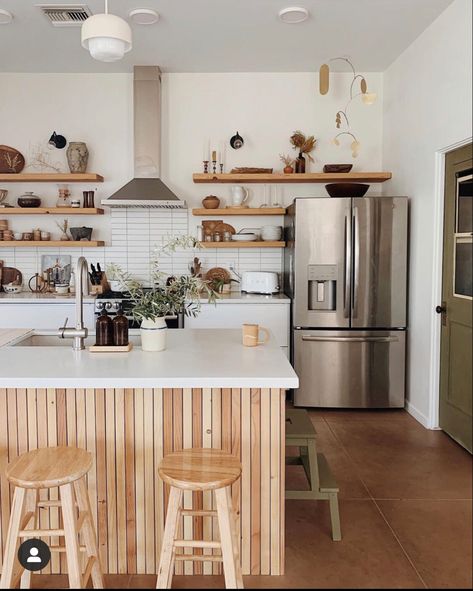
[144, 16]
[107, 37]
[5, 17]
[293, 15]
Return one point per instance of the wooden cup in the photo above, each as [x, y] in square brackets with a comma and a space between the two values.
[251, 335]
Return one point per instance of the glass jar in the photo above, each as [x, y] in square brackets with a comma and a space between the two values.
[217, 237]
[64, 196]
[120, 329]
[104, 330]
[227, 236]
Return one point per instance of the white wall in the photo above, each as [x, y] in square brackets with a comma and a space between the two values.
[427, 107]
[264, 108]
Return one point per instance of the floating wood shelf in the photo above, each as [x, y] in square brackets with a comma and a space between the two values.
[51, 211]
[235, 244]
[221, 211]
[55, 177]
[49, 243]
[310, 177]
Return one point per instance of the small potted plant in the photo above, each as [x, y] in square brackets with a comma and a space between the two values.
[288, 163]
[168, 297]
[304, 145]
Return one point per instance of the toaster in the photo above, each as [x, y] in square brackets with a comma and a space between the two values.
[265, 282]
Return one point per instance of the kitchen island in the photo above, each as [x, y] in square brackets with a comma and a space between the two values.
[130, 409]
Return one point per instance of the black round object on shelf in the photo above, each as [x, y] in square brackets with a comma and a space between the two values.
[236, 141]
[347, 189]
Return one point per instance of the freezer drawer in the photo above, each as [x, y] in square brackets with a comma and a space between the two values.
[350, 369]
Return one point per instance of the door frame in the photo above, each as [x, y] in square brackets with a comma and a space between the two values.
[439, 204]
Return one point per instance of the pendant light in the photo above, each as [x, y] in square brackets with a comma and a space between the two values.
[107, 37]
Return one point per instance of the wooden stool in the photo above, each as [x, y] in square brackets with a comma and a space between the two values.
[200, 470]
[63, 467]
[300, 433]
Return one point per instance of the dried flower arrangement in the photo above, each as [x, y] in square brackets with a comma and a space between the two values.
[63, 227]
[303, 144]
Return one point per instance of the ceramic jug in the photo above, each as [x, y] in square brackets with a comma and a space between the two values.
[239, 195]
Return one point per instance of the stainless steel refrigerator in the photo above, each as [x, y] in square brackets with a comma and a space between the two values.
[345, 268]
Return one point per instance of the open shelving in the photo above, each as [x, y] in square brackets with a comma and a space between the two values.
[221, 211]
[249, 244]
[54, 177]
[308, 177]
[51, 211]
[49, 243]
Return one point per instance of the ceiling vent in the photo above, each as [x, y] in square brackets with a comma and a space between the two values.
[65, 15]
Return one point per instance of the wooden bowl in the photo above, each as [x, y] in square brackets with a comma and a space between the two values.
[338, 167]
[211, 202]
[347, 189]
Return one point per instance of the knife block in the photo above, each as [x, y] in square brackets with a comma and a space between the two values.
[99, 289]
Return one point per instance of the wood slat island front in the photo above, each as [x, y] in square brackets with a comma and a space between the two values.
[128, 430]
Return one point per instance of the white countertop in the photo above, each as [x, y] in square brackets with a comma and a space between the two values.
[199, 358]
[28, 297]
[237, 297]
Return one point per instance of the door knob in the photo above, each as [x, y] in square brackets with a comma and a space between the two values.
[440, 309]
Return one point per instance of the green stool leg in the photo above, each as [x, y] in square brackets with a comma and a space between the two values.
[335, 517]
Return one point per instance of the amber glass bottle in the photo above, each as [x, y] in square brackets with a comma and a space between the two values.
[120, 329]
[104, 330]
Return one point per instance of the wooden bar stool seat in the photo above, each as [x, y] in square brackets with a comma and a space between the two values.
[300, 432]
[65, 468]
[200, 470]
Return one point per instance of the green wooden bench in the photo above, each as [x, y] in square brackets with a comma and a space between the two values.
[300, 432]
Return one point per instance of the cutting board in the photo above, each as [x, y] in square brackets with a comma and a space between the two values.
[11, 160]
[11, 275]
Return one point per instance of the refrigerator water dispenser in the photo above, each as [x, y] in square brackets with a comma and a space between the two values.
[322, 280]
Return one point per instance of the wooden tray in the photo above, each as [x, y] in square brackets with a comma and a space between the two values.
[110, 349]
[10, 275]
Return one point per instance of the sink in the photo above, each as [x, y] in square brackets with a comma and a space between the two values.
[41, 340]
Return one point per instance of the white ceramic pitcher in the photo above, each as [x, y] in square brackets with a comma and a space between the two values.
[239, 195]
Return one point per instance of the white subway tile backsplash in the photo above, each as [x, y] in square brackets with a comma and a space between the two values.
[135, 237]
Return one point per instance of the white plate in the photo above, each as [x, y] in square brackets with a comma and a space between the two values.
[244, 237]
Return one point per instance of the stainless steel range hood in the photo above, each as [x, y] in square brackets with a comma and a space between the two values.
[146, 189]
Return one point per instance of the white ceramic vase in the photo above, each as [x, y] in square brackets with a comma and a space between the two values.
[153, 334]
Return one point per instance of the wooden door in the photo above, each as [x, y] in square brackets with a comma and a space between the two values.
[456, 308]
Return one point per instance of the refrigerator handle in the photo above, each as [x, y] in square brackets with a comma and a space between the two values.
[356, 261]
[350, 339]
[347, 262]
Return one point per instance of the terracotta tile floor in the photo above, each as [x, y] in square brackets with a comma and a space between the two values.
[405, 505]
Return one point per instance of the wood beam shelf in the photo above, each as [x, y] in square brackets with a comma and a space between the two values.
[46, 177]
[51, 211]
[310, 177]
[49, 243]
[221, 211]
[236, 244]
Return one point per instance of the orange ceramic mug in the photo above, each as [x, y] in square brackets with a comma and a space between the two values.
[251, 335]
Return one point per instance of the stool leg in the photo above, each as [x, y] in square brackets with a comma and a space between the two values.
[18, 505]
[30, 507]
[335, 517]
[166, 562]
[88, 531]
[71, 535]
[230, 554]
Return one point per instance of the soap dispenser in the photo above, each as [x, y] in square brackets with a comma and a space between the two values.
[104, 330]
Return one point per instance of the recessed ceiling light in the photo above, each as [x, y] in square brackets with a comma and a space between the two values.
[5, 17]
[293, 15]
[144, 16]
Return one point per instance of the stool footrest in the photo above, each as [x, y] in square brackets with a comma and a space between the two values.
[198, 513]
[198, 557]
[63, 549]
[40, 533]
[196, 544]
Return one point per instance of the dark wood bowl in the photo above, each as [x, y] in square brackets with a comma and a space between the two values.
[338, 167]
[29, 201]
[347, 189]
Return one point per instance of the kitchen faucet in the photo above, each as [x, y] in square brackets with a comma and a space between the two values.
[80, 332]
